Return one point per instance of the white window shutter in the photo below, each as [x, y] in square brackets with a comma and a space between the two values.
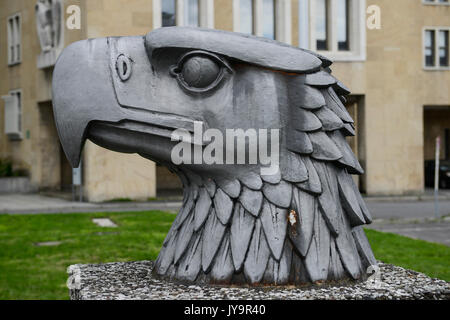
[12, 114]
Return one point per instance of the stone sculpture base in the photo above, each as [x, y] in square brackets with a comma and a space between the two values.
[134, 281]
[48, 59]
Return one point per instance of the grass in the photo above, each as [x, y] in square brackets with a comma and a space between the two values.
[31, 272]
[430, 258]
[28, 271]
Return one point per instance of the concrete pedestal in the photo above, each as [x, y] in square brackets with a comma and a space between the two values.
[134, 281]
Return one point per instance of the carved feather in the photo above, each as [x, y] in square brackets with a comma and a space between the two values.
[241, 231]
[299, 142]
[231, 187]
[212, 237]
[301, 95]
[277, 272]
[364, 249]
[313, 185]
[330, 121]
[304, 120]
[324, 147]
[320, 79]
[349, 130]
[223, 205]
[348, 157]
[251, 200]
[329, 199]
[280, 194]
[292, 168]
[318, 258]
[341, 89]
[190, 264]
[257, 255]
[184, 235]
[166, 255]
[223, 268]
[202, 208]
[335, 104]
[349, 200]
[210, 186]
[336, 270]
[251, 180]
[273, 178]
[274, 222]
[346, 247]
[301, 226]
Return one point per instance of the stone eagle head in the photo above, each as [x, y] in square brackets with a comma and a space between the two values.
[299, 225]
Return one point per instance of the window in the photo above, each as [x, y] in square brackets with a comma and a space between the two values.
[441, 2]
[14, 26]
[443, 48]
[265, 18]
[321, 25]
[193, 13]
[268, 8]
[429, 48]
[168, 13]
[436, 48]
[336, 27]
[246, 14]
[342, 25]
[13, 114]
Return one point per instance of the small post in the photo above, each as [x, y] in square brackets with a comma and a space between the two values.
[436, 178]
[77, 182]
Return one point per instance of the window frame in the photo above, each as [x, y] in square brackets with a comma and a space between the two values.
[12, 41]
[435, 3]
[205, 14]
[282, 19]
[17, 136]
[356, 31]
[437, 66]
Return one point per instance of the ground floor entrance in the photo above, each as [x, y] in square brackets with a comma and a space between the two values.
[55, 170]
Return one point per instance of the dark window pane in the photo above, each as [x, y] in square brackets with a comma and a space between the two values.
[342, 24]
[246, 16]
[443, 48]
[321, 25]
[269, 19]
[168, 13]
[192, 16]
[429, 48]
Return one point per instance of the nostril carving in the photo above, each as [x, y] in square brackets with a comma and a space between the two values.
[123, 66]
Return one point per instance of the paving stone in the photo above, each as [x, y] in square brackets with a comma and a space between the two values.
[104, 223]
[48, 244]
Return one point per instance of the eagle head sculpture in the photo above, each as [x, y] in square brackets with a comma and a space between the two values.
[302, 224]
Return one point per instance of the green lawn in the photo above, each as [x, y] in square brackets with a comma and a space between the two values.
[31, 272]
[28, 271]
[430, 258]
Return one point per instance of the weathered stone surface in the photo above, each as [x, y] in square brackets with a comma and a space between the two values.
[134, 281]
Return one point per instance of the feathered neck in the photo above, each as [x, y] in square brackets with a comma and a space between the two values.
[255, 229]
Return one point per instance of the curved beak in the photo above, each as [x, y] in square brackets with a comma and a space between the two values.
[82, 92]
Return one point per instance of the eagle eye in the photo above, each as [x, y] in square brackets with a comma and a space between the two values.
[199, 71]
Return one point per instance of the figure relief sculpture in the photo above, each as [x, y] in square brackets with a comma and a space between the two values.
[303, 224]
[49, 30]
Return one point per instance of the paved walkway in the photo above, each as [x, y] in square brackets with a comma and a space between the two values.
[405, 216]
[433, 231]
[34, 203]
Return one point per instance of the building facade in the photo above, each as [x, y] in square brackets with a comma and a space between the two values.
[394, 55]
